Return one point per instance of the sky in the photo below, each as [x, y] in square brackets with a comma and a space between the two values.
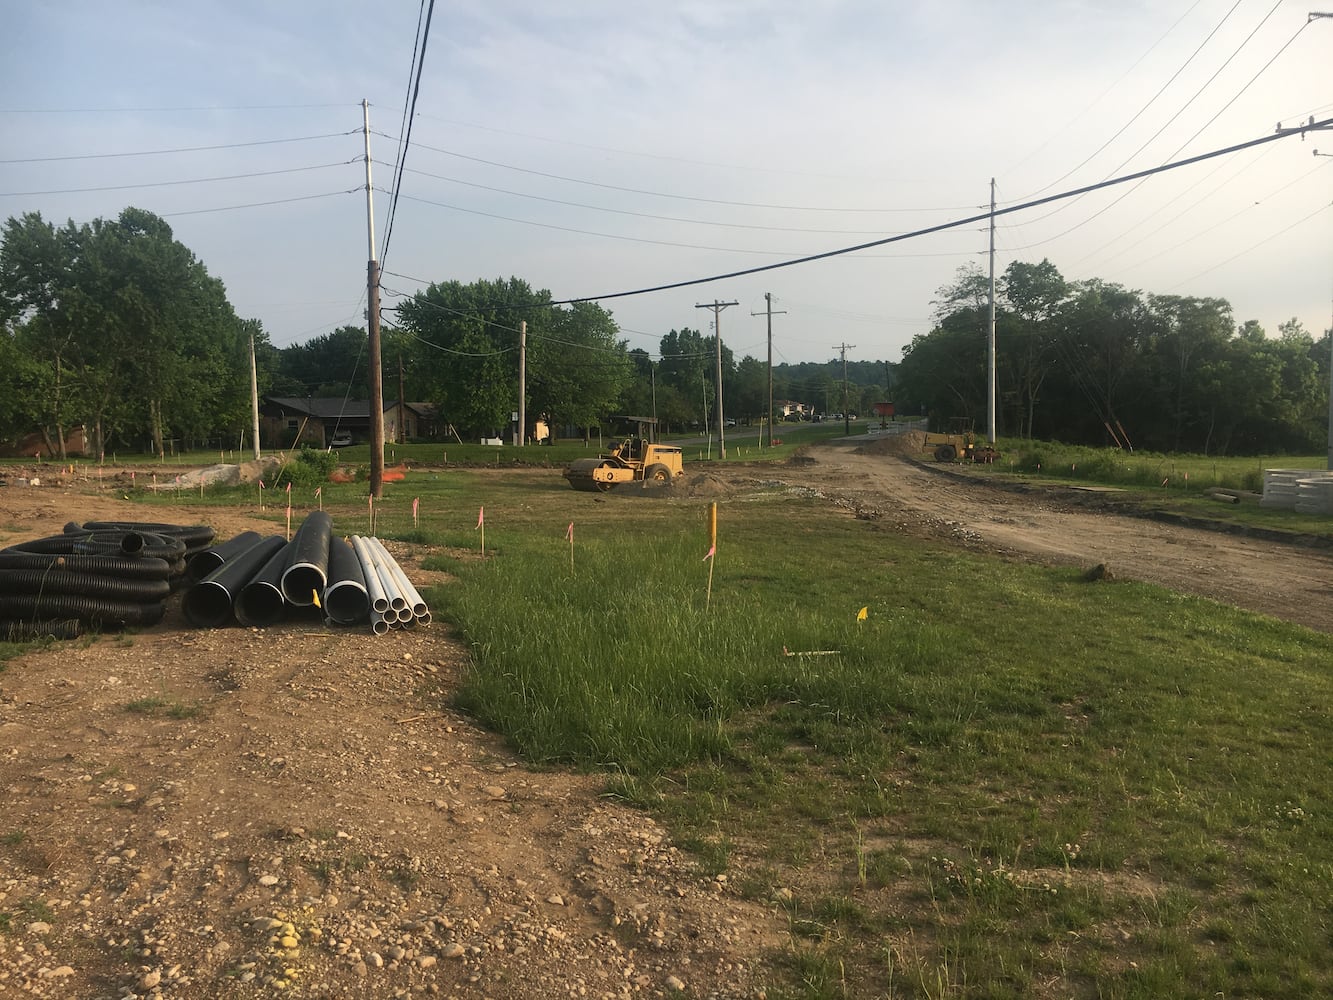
[598, 147]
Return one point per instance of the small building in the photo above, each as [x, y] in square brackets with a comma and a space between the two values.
[290, 421]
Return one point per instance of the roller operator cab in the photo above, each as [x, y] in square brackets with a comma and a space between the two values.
[636, 459]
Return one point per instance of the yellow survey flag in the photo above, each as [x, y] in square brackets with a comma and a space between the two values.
[862, 614]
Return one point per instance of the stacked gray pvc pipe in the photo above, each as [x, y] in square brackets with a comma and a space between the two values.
[394, 602]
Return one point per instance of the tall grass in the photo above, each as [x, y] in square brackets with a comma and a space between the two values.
[1005, 767]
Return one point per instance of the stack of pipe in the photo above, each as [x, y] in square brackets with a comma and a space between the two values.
[102, 575]
[394, 602]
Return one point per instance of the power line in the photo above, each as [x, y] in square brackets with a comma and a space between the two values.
[407, 139]
[182, 149]
[260, 204]
[142, 110]
[1151, 101]
[970, 220]
[195, 180]
[662, 194]
[643, 215]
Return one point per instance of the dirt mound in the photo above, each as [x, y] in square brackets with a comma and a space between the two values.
[911, 443]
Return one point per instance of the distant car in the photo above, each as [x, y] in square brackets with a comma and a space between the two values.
[731, 421]
[340, 440]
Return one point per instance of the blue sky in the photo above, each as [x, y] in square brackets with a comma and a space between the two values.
[593, 147]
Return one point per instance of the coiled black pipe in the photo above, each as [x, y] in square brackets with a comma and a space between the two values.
[208, 604]
[260, 601]
[12, 630]
[207, 560]
[105, 543]
[95, 611]
[345, 600]
[118, 566]
[307, 575]
[195, 536]
[62, 581]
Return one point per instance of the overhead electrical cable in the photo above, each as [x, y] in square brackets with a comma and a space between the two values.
[141, 110]
[1152, 100]
[193, 180]
[181, 149]
[260, 204]
[1100, 99]
[1255, 246]
[970, 220]
[636, 153]
[1111, 204]
[636, 239]
[644, 215]
[662, 194]
[407, 139]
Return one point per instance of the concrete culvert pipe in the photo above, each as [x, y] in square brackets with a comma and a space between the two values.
[208, 604]
[345, 599]
[260, 602]
[307, 574]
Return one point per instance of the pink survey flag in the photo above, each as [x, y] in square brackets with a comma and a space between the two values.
[481, 517]
[712, 551]
[570, 533]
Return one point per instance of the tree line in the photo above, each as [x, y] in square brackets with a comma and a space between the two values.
[117, 327]
[1091, 362]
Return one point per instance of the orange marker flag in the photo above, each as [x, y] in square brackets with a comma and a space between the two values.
[570, 535]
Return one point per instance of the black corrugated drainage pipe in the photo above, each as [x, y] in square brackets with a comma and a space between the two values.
[345, 599]
[307, 575]
[260, 601]
[41, 582]
[102, 614]
[207, 560]
[118, 566]
[208, 604]
[195, 536]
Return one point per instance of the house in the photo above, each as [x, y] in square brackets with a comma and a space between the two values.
[288, 421]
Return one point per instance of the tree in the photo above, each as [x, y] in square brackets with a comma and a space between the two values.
[139, 337]
[1036, 293]
[464, 350]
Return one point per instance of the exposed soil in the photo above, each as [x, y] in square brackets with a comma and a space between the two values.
[230, 813]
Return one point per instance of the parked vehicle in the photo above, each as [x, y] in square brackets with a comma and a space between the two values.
[340, 440]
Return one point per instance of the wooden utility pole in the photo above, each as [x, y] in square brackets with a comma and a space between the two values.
[846, 416]
[717, 308]
[769, 312]
[522, 382]
[373, 329]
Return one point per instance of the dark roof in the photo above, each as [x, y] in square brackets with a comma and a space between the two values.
[336, 408]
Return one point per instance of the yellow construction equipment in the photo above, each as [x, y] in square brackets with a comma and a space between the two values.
[636, 459]
[960, 444]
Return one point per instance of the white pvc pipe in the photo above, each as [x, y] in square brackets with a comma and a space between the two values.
[379, 602]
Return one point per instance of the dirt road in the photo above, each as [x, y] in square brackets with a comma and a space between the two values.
[233, 813]
[1071, 527]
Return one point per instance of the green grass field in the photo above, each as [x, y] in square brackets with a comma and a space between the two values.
[1002, 781]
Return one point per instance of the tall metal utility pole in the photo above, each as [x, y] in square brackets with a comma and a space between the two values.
[990, 330]
[770, 313]
[373, 329]
[522, 382]
[717, 308]
[1315, 16]
[846, 417]
[254, 399]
